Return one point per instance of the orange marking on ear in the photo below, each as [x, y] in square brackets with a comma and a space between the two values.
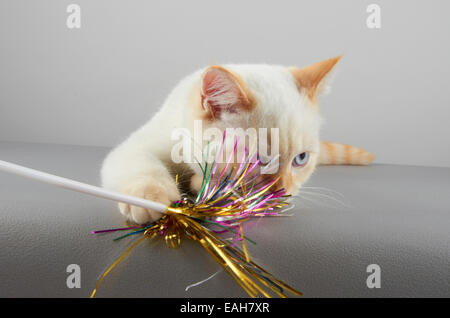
[310, 77]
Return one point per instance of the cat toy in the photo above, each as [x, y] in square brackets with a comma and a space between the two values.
[227, 198]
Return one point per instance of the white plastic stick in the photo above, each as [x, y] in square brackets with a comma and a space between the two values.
[81, 187]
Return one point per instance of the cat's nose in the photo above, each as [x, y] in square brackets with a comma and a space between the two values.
[280, 184]
[284, 182]
[265, 179]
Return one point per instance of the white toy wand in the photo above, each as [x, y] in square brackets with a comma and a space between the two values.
[81, 187]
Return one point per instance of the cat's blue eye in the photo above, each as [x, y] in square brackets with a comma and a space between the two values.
[301, 159]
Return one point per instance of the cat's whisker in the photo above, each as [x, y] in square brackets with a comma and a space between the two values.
[319, 203]
[325, 196]
[323, 188]
[303, 196]
[298, 200]
[287, 209]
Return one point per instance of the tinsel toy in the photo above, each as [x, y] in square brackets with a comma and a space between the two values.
[229, 196]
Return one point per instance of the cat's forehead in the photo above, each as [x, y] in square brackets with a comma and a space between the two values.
[270, 84]
[280, 102]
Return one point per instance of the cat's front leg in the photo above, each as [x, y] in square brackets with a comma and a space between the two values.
[139, 175]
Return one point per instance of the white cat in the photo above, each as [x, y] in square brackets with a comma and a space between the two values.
[223, 97]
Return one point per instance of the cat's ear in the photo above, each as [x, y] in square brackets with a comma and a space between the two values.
[222, 91]
[312, 78]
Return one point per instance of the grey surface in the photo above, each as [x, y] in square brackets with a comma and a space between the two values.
[398, 217]
[389, 94]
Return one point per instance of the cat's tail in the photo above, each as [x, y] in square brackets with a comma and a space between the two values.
[340, 154]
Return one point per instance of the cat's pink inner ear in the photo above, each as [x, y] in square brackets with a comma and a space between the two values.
[222, 92]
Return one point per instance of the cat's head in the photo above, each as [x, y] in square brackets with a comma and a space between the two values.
[264, 96]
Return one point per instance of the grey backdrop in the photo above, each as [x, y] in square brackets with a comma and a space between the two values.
[94, 85]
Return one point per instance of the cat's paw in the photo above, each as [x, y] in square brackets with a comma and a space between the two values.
[163, 191]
